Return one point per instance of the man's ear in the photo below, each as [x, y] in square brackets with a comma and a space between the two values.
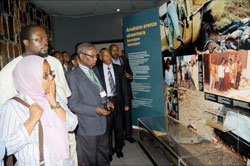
[80, 56]
[25, 42]
[101, 58]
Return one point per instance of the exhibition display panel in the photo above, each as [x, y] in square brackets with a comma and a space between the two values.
[167, 142]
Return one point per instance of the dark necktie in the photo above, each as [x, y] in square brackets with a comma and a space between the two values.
[111, 82]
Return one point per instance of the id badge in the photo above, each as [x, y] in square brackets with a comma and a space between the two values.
[103, 94]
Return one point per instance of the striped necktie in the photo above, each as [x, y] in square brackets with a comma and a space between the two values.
[91, 74]
[111, 82]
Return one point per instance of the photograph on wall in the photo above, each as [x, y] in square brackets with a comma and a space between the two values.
[170, 71]
[172, 108]
[227, 75]
[198, 26]
[187, 72]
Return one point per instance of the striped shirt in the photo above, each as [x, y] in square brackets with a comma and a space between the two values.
[2, 152]
[8, 89]
[25, 147]
[106, 77]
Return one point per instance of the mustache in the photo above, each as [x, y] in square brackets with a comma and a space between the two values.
[43, 55]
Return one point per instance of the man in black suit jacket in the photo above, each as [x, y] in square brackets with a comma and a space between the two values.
[117, 94]
[89, 102]
[123, 61]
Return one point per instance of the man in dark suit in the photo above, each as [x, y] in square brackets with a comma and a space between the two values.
[114, 82]
[88, 102]
[123, 61]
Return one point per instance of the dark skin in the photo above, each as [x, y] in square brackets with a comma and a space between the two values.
[115, 53]
[75, 62]
[90, 61]
[59, 56]
[35, 47]
[106, 58]
[37, 43]
[50, 90]
[65, 56]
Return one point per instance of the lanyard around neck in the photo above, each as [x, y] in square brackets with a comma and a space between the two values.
[94, 80]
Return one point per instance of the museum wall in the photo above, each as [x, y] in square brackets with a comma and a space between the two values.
[13, 16]
[68, 31]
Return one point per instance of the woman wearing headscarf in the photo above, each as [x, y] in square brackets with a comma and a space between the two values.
[19, 125]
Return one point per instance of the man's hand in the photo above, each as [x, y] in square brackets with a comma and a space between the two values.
[110, 106]
[101, 111]
[127, 75]
[126, 108]
[35, 113]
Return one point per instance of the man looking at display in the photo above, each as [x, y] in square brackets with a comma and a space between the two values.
[123, 61]
[114, 82]
[89, 102]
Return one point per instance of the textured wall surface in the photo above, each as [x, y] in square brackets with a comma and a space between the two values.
[13, 16]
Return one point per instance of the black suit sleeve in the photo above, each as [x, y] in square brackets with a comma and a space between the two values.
[124, 86]
[127, 67]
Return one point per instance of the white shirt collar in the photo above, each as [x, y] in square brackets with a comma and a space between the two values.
[118, 62]
[106, 66]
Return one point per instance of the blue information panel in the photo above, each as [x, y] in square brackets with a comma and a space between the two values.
[143, 48]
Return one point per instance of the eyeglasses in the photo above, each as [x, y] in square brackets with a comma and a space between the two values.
[39, 40]
[51, 73]
[92, 56]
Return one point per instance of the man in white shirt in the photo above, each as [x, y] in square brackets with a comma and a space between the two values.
[35, 41]
[123, 62]
[114, 81]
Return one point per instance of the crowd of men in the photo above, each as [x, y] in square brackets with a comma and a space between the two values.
[96, 88]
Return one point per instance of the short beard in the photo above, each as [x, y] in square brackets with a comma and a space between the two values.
[43, 55]
[115, 56]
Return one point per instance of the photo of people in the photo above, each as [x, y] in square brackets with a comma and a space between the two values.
[227, 74]
[187, 72]
[169, 73]
[172, 103]
[200, 26]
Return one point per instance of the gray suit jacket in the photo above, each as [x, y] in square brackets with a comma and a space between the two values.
[83, 102]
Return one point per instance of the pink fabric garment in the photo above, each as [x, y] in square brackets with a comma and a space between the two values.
[28, 78]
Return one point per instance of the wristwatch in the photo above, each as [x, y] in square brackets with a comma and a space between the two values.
[58, 105]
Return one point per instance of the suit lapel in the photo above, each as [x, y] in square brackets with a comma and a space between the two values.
[116, 74]
[86, 81]
[121, 61]
[102, 78]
